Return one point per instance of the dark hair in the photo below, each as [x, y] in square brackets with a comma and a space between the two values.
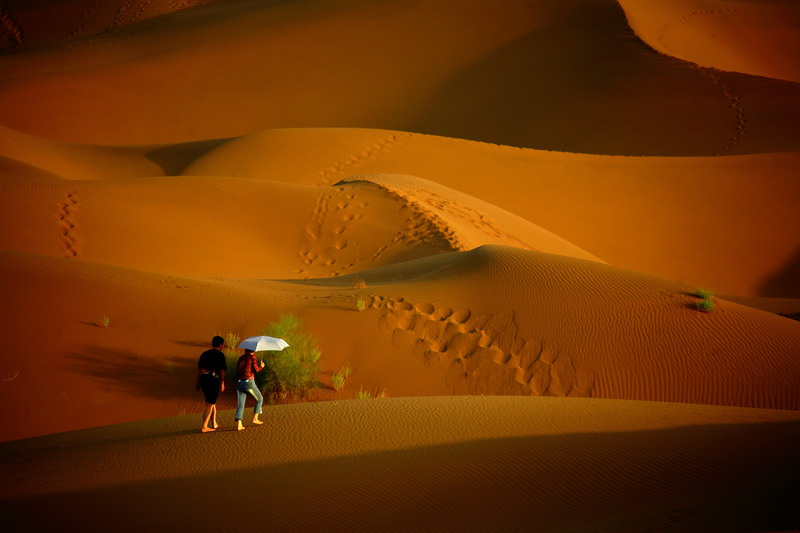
[217, 341]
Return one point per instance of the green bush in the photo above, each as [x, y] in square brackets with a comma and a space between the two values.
[703, 293]
[706, 305]
[338, 381]
[346, 371]
[294, 369]
[361, 304]
[232, 355]
[363, 394]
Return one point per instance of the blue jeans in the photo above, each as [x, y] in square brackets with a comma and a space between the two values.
[245, 387]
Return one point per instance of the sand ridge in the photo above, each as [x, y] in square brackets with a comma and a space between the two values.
[469, 222]
[510, 79]
[652, 214]
[753, 37]
[495, 320]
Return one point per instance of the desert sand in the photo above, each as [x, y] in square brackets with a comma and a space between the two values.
[422, 464]
[526, 198]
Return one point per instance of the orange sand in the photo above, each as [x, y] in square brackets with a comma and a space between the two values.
[755, 37]
[191, 168]
[412, 464]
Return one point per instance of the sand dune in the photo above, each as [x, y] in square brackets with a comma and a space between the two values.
[37, 23]
[496, 215]
[673, 217]
[539, 324]
[495, 320]
[761, 38]
[567, 75]
[438, 464]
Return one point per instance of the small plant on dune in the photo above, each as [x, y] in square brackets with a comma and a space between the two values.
[231, 355]
[705, 305]
[361, 304]
[703, 293]
[294, 369]
[338, 378]
[170, 367]
[360, 284]
[232, 340]
[105, 321]
[338, 381]
[346, 370]
[363, 394]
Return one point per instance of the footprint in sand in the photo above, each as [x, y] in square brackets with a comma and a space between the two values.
[484, 347]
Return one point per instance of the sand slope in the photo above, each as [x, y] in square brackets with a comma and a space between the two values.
[700, 220]
[438, 464]
[568, 75]
[672, 217]
[173, 170]
[495, 320]
[35, 23]
[761, 38]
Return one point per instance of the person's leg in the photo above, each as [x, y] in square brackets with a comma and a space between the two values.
[207, 418]
[210, 395]
[241, 398]
[214, 417]
[259, 402]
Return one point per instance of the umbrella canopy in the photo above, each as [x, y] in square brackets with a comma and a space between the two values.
[263, 343]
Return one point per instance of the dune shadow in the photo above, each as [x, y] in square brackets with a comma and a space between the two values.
[785, 282]
[587, 84]
[195, 344]
[136, 373]
[174, 158]
[650, 480]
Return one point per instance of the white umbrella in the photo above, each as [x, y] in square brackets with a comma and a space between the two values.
[263, 343]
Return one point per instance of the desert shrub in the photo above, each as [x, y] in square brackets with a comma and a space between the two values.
[338, 381]
[703, 293]
[231, 355]
[706, 305]
[294, 369]
[360, 284]
[361, 304]
[338, 378]
[232, 340]
[363, 394]
[346, 371]
[105, 321]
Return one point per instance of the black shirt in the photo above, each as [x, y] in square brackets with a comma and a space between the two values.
[213, 360]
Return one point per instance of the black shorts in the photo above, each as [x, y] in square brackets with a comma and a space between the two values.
[210, 387]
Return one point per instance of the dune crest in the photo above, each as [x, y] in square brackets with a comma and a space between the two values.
[671, 217]
[760, 38]
[471, 70]
[469, 222]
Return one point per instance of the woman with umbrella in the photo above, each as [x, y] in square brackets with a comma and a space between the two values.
[246, 368]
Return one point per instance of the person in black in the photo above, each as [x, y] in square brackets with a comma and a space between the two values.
[211, 368]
